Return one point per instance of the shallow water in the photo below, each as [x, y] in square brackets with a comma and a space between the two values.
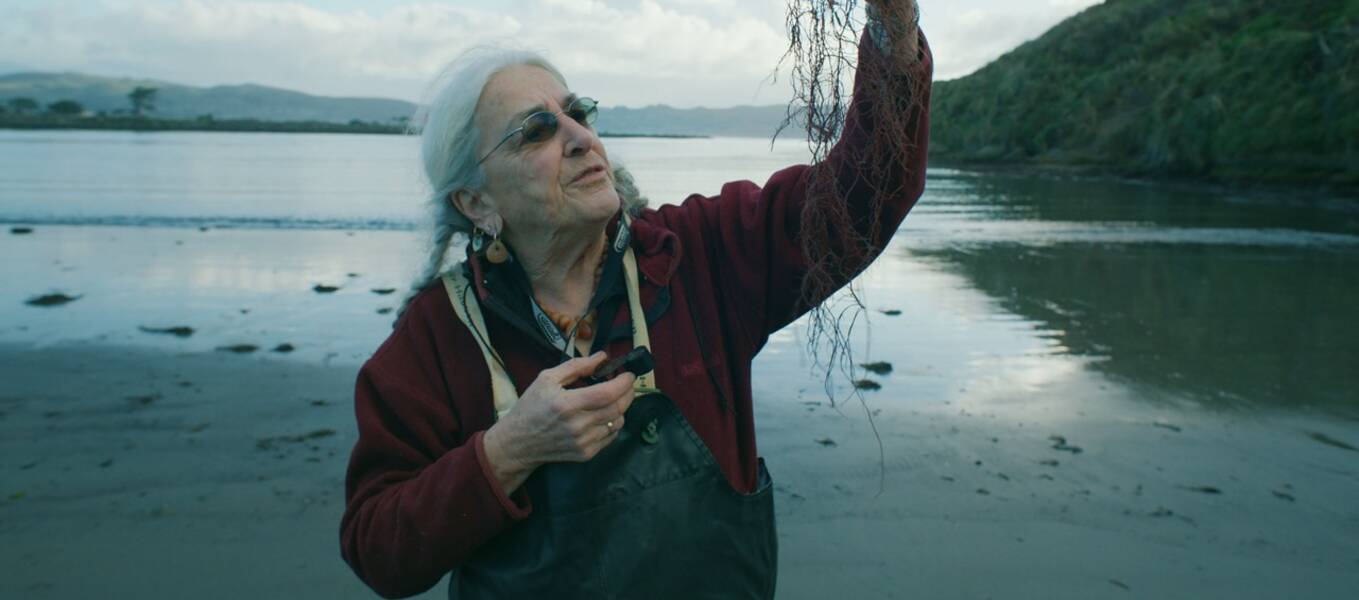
[1231, 300]
[1192, 297]
[282, 180]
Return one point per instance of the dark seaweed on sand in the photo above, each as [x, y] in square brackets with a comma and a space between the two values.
[284, 348]
[1059, 443]
[239, 348]
[383, 291]
[877, 368]
[143, 400]
[1330, 441]
[1202, 489]
[177, 331]
[56, 299]
[20, 230]
[324, 289]
[867, 384]
[270, 442]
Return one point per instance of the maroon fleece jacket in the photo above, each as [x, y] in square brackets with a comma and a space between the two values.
[420, 496]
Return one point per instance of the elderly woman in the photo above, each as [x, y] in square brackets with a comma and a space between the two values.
[486, 449]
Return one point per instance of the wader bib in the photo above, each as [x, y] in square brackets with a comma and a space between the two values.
[651, 516]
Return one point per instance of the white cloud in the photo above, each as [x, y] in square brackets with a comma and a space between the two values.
[966, 35]
[630, 52]
[661, 41]
[284, 44]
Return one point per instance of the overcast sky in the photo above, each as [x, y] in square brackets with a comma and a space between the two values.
[684, 53]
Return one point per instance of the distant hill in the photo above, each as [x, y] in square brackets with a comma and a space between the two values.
[186, 102]
[175, 101]
[1224, 89]
[738, 121]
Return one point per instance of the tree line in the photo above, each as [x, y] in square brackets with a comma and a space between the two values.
[142, 99]
[28, 113]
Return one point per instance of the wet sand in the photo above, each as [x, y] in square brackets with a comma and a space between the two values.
[149, 465]
[145, 474]
[132, 473]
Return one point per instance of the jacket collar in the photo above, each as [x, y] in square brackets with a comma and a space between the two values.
[505, 289]
[658, 249]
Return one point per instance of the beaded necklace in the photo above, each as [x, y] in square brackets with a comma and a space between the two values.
[583, 324]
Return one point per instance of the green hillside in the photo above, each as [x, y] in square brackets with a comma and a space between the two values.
[1228, 90]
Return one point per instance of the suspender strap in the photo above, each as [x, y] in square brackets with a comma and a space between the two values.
[502, 388]
[469, 312]
[640, 336]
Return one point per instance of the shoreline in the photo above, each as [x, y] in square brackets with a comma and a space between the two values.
[1105, 173]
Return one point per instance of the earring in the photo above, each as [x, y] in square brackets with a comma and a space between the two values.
[478, 239]
[497, 252]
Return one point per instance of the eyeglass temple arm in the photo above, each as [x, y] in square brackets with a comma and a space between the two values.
[499, 144]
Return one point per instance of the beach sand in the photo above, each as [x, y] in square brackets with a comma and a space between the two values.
[143, 474]
[135, 465]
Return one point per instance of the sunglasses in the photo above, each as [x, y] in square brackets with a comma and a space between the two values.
[542, 125]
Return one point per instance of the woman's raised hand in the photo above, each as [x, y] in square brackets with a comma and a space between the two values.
[553, 424]
[899, 17]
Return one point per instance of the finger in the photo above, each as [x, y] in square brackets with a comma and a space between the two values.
[625, 402]
[602, 395]
[592, 432]
[627, 394]
[608, 431]
[611, 410]
[576, 368]
[613, 431]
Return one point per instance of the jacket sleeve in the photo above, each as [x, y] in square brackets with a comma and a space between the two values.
[420, 497]
[747, 237]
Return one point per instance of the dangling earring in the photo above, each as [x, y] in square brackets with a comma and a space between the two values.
[497, 252]
[478, 239]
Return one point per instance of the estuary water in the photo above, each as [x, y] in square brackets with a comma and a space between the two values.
[1215, 299]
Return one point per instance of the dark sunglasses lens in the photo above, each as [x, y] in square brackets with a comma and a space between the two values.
[540, 126]
[584, 110]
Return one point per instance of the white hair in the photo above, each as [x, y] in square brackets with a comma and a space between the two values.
[449, 144]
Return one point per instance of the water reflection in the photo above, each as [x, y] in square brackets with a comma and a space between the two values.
[1018, 197]
[1254, 306]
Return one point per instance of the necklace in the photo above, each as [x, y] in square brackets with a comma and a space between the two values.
[584, 324]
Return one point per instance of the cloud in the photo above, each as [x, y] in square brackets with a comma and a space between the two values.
[647, 52]
[661, 41]
[274, 43]
[394, 50]
[966, 35]
[626, 52]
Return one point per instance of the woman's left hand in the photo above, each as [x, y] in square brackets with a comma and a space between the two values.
[551, 423]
